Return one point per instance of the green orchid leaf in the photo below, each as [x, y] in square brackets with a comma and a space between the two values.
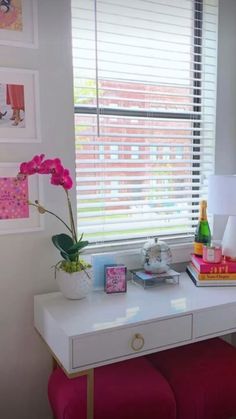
[65, 256]
[78, 246]
[70, 258]
[68, 249]
[82, 235]
[74, 257]
[62, 242]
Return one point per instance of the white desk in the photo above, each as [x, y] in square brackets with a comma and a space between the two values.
[103, 329]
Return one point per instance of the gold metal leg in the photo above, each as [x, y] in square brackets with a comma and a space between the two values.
[54, 364]
[90, 384]
[90, 393]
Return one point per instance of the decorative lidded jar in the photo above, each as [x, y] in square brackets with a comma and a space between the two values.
[156, 256]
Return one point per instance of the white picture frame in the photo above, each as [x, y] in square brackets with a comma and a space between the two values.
[26, 32]
[34, 221]
[28, 131]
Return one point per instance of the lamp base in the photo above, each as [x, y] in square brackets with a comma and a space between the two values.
[229, 238]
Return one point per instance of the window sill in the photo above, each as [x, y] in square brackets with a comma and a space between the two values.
[129, 253]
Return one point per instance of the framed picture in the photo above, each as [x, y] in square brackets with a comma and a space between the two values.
[16, 215]
[19, 106]
[115, 279]
[18, 23]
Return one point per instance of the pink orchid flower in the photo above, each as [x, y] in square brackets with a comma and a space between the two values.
[33, 166]
[59, 176]
[51, 166]
[62, 179]
[23, 169]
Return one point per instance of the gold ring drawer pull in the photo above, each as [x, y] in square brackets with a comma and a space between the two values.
[137, 342]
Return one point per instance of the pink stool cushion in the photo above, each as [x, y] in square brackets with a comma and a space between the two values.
[132, 389]
[203, 378]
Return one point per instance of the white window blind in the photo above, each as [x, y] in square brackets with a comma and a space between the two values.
[145, 93]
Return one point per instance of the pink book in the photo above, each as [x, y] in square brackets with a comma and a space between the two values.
[213, 268]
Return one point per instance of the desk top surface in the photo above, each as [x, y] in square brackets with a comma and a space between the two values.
[100, 311]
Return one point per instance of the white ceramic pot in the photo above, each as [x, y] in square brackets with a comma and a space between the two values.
[74, 285]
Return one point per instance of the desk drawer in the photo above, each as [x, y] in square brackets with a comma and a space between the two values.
[213, 321]
[104, 346]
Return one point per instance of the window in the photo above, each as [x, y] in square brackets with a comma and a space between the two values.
[145, 93]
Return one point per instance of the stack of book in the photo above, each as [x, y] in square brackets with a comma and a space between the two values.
[205, 274]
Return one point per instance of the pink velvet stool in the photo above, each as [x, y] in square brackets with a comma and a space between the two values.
[132, 389]
[203, 378]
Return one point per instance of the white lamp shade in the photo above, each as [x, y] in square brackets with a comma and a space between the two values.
[222, 194]
[229, 241]
[222, 201]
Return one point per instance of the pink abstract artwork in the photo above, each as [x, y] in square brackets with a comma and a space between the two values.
[115, 279]
[13, 198]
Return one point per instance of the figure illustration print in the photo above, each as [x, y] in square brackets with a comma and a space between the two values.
[11, 15]
[12, 105]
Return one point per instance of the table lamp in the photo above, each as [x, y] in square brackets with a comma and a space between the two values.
[222, 201]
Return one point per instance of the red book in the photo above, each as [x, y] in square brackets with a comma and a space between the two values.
[213, 268]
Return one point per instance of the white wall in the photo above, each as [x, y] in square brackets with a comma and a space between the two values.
[226, 98]
[26, 260]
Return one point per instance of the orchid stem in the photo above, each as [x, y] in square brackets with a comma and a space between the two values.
[73, 230]
[52, 213]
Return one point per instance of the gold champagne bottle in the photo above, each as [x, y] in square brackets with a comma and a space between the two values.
[203, 232]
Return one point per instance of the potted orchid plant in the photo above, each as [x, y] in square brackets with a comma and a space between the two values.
[73, 274]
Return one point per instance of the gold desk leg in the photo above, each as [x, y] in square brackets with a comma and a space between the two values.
[90, 385]
[90, 393]
[54, 364]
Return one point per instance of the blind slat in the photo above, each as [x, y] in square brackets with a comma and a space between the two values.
[101, 171]
[106, 214]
